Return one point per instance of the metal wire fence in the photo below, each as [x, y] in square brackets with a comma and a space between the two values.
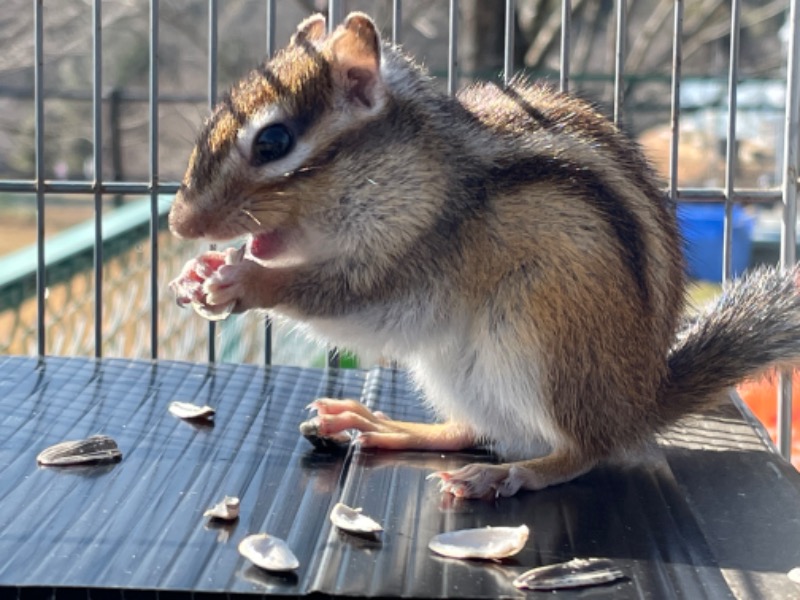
[136, 318]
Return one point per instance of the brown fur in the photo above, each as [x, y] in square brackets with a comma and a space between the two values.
[517, 224]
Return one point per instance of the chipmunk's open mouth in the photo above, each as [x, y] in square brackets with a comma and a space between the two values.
[268, 244]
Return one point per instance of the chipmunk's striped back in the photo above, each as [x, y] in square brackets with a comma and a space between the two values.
[509, 245]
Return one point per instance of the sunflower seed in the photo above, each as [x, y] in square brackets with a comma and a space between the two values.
[334, 443]
[97, 449]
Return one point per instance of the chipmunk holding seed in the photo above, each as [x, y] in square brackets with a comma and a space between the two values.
[509, 246]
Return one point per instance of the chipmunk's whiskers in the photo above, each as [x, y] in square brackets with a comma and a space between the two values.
[252, 216]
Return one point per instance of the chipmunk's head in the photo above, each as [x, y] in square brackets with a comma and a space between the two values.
[263, 154]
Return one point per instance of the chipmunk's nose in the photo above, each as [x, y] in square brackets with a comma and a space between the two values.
[184, 222]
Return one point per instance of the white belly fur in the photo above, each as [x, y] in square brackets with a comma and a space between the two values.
[466, 376]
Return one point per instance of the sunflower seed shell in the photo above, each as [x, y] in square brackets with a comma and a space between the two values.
[352, 520]
[226, 510]
[485, 542]
[794, 575]
[187, 410]
[268, 552]
[578, 572]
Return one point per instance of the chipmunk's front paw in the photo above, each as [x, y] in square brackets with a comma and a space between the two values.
[188, 286]
[376, 430]
[228, 284]
[201, 280]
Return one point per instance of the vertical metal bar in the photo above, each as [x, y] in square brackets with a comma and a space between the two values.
[397, 22]
[270, 27]
[791, 171]
[38, 92]
[212, 53]
[270, 51]
[97, 116]
[619, 60]
[212, 100]
[676, 100]
[335, 14]
[508, 58]
[452, 49]
[154, 217]
[785, 414]
[333, 358]
[268, 341]
[566, 27]
[730, 152]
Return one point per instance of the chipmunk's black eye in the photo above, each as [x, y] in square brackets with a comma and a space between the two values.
[271, 143]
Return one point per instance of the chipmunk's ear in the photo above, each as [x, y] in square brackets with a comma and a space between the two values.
[311, 30]
[356, 47]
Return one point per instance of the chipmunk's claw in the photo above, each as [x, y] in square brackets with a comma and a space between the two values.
[478, 480]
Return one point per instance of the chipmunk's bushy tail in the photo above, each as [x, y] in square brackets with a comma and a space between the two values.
[754, 325]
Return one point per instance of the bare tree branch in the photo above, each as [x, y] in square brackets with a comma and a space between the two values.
[547, 37]
[721, 29]
[640, 48]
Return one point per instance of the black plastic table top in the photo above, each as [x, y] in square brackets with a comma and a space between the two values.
[712, 513]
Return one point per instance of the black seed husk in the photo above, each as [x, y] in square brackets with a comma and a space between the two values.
[97, 449]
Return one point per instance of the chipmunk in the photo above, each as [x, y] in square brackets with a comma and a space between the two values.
[509, 246]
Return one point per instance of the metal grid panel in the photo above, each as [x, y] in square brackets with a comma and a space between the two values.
[154, 186]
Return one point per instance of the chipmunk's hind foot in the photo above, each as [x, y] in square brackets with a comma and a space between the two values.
[479, 480]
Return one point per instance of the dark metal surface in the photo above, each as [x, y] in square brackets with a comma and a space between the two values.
[711, 513]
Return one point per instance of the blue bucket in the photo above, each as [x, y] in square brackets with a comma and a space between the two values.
[702, 228]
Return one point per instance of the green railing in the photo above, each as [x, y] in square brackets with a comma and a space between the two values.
[69, 299]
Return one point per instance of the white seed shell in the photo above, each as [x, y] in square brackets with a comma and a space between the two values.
[578, 572]
[268, 552]
[485, 542]
[204, 311]
[226, 510]
[794, 574]
[187, 410]
[352, 520]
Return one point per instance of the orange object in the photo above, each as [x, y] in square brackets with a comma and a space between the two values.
[762, 398]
